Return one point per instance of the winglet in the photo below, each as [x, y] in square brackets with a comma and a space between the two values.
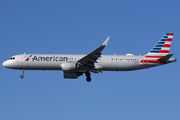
[106, 41]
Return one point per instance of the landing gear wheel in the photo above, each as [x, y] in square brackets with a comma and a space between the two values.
[22, 76]
[88, 79]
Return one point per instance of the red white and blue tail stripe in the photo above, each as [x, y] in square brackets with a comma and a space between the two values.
[163, 46]
[160, 50]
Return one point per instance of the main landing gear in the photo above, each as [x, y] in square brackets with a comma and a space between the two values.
[22, 75]
[88, 78]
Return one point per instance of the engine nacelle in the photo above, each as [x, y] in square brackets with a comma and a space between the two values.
[67, 66]
[70, 74]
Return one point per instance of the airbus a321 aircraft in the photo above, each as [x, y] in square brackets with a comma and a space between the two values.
[74, 66]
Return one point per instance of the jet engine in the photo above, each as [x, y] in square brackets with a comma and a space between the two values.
[69, 66]
[70, 74]
[69, 69]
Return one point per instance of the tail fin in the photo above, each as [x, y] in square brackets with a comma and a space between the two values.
[164, 44]
[160, 51]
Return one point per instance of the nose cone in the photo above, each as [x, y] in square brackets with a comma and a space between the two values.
[4, 63]
[7, 64]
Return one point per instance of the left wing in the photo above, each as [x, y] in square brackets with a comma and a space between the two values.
[91, 58]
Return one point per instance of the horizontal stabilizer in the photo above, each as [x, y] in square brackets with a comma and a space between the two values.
[164, 58]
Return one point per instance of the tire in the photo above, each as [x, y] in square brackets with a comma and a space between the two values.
[88, 79]
[21, 76]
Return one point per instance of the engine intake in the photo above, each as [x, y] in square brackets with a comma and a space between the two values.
[68, 66]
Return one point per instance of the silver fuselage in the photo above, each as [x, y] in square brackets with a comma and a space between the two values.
[104, 63]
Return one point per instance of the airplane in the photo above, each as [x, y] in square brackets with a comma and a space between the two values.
[74, 65]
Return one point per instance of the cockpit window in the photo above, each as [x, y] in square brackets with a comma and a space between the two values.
[12, 58]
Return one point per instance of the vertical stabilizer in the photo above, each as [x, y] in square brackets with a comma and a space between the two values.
[164, 44]
[160, 50]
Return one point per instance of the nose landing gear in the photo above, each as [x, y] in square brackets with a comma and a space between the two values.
[22, 76]
[88, 78]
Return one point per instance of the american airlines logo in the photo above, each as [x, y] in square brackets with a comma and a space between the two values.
[28, 58]
[53, 58]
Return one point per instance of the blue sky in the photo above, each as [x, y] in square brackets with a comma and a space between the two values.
[79, 27]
